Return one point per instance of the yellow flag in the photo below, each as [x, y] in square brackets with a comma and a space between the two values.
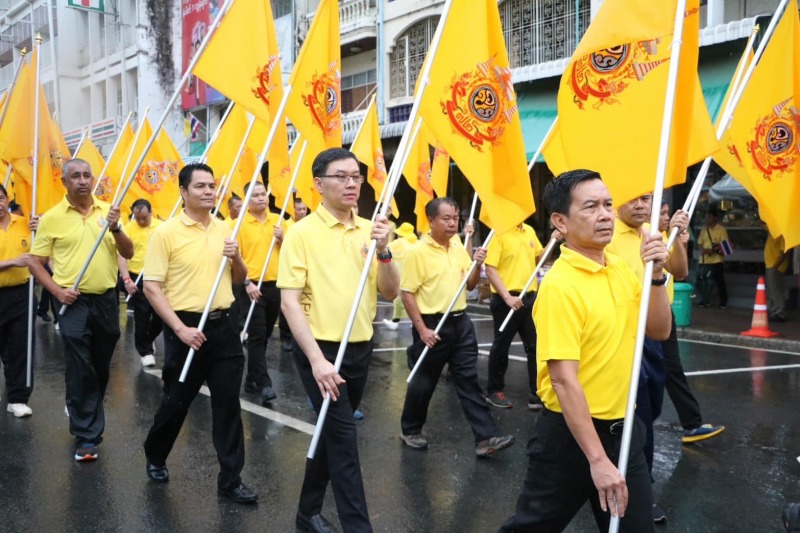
[727, 156]
[470, 106]
[89, 153]
[314, 106]
[109, 182]
[612, 94]
[17, 142]
[222, 153]
[766, 128]
[369, 150]
[440, 170]
[418, 175]
[240, 61]
[156, 179]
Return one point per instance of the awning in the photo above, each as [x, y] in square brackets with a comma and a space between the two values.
[715, 77]
[728, 189]
[537, 111]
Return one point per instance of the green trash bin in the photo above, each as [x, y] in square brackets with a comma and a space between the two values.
[682, 304]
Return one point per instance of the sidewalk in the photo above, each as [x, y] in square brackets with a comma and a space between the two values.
[725, 327]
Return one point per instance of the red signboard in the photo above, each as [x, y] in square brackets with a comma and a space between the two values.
[197, 16]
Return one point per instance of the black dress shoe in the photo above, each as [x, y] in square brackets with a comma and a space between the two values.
[240, 494]
[251, 387]
[267, 394]
[313, 524]
[45, 317]
[159, 474]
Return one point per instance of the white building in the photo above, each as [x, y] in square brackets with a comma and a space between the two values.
[106, 64]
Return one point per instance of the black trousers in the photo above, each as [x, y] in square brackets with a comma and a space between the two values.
[677, 386]
[219, 363]
[147, 324]
[716, 272]
[48, 301]
[458, 347]
[90, 331]
[521, 322]
[559, 482]
[336, 459]
[14, 341]
[265, 314]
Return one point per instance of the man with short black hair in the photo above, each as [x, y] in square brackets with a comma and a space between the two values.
[322, 258]
[300, 209]
[90, 325]
[234, 206]
[586, 316]
[180, 268]
[147, 324]
[433, 271]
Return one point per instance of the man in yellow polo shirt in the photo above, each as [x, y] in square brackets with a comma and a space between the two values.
[255, 236]
[709, 243]
[586, 316]
[776, 261]
[433, 271]
[90, 325]
[510, 259]
[322, 258]
[15, 244]
[147, 324]
[180, 268]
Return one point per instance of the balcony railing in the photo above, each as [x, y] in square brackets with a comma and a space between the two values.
[20, 31]
[356, 14]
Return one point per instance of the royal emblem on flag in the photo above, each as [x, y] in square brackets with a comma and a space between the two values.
[481, 103]
[380, 167]
[424, 178]
[775, 145]
[103, 188]
[598, 77]
[153, 175]
[263, 78]
[323, 100]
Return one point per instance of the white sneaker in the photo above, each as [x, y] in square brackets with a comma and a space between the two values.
[154, 348]
[58, 328]
[148, 360]
[20, 410]
[391, 325]
[66, 411]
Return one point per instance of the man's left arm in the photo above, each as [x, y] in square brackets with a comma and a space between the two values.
[479, 257]
[678, 262]
[388, 276]
[121, 241]
[238, 267]
[659, 315]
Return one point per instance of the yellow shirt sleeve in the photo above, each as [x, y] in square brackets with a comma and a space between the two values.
[43, 243]
[293, 267]
[559, 319]
[156, 260]
[413, 271]
[495, 252]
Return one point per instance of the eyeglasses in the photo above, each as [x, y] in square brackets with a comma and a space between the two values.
[342, 178]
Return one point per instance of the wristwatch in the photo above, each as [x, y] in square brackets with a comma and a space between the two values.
[247, 282]
[115, 229]
[385, 258]
[659, 282]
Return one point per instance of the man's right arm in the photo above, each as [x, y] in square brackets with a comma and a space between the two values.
[427, 335]
[328, 380]
[512, 302]
[607, 479]
[154, 292]
[36, 267]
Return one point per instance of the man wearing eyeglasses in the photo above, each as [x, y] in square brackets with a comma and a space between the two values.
[322, 257]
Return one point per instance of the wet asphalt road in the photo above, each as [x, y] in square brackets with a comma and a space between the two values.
[737, 482]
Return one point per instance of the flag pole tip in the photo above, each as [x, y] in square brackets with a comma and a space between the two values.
[23, 51]
[38, 38]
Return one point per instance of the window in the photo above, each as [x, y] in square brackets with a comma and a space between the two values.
[357, 89]
[405, 61]
[281, 8]
[537, 31]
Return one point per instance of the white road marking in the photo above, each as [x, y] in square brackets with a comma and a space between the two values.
[739, 347]
[743, 369]
[259, 410]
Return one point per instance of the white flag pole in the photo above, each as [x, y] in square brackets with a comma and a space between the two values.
[658, 191]
[453, 301]
[545, 256]
[224, 262]
[178, 88]
[274, 239]
[127, 166]
[394, 175]
[80, 143]
[34, 191]
[227, 184]
[387, 188]
[113, 150]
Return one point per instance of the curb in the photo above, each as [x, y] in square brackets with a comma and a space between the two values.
[693, 334]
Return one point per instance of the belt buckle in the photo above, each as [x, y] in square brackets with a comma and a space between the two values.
[617, 427]
[214, 315]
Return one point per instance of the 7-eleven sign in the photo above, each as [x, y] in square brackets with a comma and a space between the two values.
[94, 5]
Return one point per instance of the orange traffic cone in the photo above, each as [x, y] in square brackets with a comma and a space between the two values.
[760, 325]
